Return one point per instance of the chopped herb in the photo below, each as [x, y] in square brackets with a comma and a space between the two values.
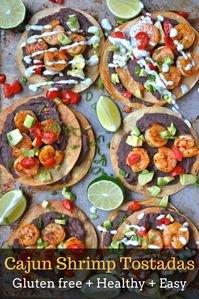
[100, 138]
[70, 129]
[103, 160]
[94, 216]
[74, 146]
[94, 106]
[108, 145]
[96, 170]
[123, 173]
[10, 164]
[97, 161]
[56, 127]
[89, 96]
[42, 107]
[100, 83]
[49, 79]
[120, 21]
[39, 222]
[24, 80]
[6, 220]
[98, 150]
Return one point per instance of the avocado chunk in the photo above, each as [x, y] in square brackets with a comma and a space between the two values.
[115, 244]
[78, 62]
[28, 152]
[14, 137]
[29, 121]
[154, 190]
[149, 86]
[64, 39]
[162, 35]
[73, 23]
[163, 181]
[60, 221]
[168, 98]
[138, 93]
[172, 129]
[115, 78]
[135, 131]
[188, 179]
[164, 202]
[44, 175]
[145, 177]
[168, 60]
[76, 73]
[143, 73]
[135, 141]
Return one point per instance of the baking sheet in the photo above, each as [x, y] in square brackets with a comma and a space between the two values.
[187, 201]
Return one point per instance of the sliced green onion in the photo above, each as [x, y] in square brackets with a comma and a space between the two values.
[24, 80]
[94, 216]
[107, 224]
[89, 96]
[96, 170]
[100, 138]
[94, 106]
[108, 145]
[123, 173]
[100, 83]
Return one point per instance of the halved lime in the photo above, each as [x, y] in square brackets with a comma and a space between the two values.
[12, 13]
[105, 193]
[94, 292]
[125, 9]
[108, 114]
[12, 206]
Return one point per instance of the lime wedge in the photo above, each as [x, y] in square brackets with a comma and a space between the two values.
[12, 206]
[108, 114]
[125, 9]
[105, 193]
[97, 293]
[12, 13]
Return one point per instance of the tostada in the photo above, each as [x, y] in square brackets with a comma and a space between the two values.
[60, 49]
[37, 139]
[153, 59]
[155, 152]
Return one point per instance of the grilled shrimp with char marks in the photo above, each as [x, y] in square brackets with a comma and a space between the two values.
[28, 235]
[164, 160]
[186, 35]
[172, 77]
[153, 237]
[25, 143]
[49, 153]
[53, 234]
[138, 159]
[153, 137]
[50, 35]
[78, 48]
[186, 145]
[188, 65]
[161, 53]
[29, 171]
[175, 236]
[38, 46]
[20, 118]
[55, 61]
[153, 33]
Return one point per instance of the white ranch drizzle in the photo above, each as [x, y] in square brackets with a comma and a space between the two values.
[56, 62]
[34, 87]
[34, 38]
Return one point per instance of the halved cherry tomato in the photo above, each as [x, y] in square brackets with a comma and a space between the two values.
[127, 94]
[144, 40]
[70, 97]
[37, 142]
[141, 232]
[16, 87]
[167, 27]
[152, 66]
[68, 205]
[60, 1]
[52, 94]
[36, 130]
[38, 70]
[2, 78]
[134, 158]
[50, 162]
[177, 171]
[134, 206]
[177, 153]
[28, 162]
[169, 42]
[118, 34]
[164, 220]
[48, 137]
[182, 13]
[7, 90]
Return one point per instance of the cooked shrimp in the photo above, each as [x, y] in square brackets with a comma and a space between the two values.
[164, 160]
[153, 137]
[188, 66]
[161, 53]
[51, 35]
[39, 45]
[32, 170]
[51, 128]
[28, 235]
[73, 243]
[48, 153]
[186, 35]
[186, 145]
[53, 234]
[175, 236]
[153, 237]
[79, 45]
[138, 159]
[19, 119]
[172, 77]
[55, 61]
[25, 143]
[153, 33]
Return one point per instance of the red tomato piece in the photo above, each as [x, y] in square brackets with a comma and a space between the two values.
[119, 34]
[134, 206]
[177, 153]
[28, 162]
[36, 130]
[127, 109]
[144, 40]
[141, 232]
[169, 42]
[16, 87]
[38, 70]
[7, 90]
[48, 137]
[60, 1]
[164, 220]
[152, 66]
[134, 158]
[70, 97]
[52, 94]
[68, 205]
[177, 171]
[2, 78]
[37, 142]
[167, 26]
[182, 13]
[127, 94]
[50, 162]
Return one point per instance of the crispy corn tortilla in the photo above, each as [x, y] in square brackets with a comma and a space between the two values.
[70, 156]
[79, 171]
[91, 71]
[128, 124]
[91, 241]
[125, 77]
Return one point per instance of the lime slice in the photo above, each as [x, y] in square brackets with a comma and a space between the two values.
[97, 293]
[12, 13]
[108, 114]
[12, 206]
[125, 9]
[105, 193]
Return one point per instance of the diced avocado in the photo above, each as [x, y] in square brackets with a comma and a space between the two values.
[168, 60]
[123, 173]
[168, 216]
[36, 151]
[137, 71]
[167, 98]
[60, 246]
[78, 62]
[115, 244]
[135, 140]
[76, 73]
[115, 78]
[14, 137]
[154, 190]
[162, 35]
[44, 175]
[164, 202]
[60, 221]
[67, 194]
[73, 23]
[28, 152]
[135, 131]
[140, 140]
[29, 121]
[93, 216]
[138, 93]
[149, 86]
[172, 129]
[143, 73]
[107, 224]
[128, 232]
[44, 204]
[64, 39]
[188, 179]
[163, 181]
[165, 134]
[145, 177]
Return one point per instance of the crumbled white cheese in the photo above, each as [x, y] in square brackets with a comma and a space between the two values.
[93, 210]
[160, 217]
[183, 240]
[184, 88]
[140, 216]
[113, 232]
[151, 246]
[101, 229]
[184, 229]
[106, 24]
[173, 32]
[165, 68]
[160, 18]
